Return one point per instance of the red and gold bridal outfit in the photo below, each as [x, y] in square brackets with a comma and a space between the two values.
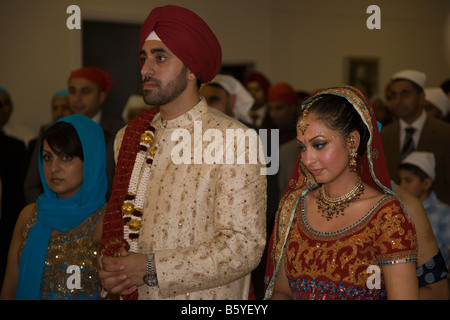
[334, 265]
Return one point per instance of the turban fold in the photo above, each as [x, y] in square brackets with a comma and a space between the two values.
[282, 92]
[188, 37]
[102, 78]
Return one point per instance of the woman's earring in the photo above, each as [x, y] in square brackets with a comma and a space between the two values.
[353, 156]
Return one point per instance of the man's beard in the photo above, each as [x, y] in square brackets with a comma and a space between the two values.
[164, 94]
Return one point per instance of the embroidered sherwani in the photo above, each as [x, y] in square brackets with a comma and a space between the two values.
[204, 222]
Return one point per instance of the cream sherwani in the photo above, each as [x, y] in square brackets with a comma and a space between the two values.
[204, 222]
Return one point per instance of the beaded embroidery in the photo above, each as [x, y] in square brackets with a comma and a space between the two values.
[321, 290]
[333, 265]
[72, 247]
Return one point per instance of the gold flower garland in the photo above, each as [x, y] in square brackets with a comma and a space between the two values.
[134, 202]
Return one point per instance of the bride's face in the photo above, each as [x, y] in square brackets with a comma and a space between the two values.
[324, 151]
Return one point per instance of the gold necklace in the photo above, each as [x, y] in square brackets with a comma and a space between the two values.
[330, 207]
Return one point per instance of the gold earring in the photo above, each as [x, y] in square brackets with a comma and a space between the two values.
[353, 155]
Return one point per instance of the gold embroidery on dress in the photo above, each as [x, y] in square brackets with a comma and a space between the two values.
[72, 247]
[345, 255]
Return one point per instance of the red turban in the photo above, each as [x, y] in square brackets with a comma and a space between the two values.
[188, 37]
[260, 78]
[101, 78]
[282, 92]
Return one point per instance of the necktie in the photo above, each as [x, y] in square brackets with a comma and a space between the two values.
[408, 145]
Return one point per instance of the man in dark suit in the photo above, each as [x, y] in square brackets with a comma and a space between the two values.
[415, 130]
[88, 88]
[11, 175]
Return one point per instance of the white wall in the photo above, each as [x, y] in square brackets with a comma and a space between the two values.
[314, 37]
[303, 42]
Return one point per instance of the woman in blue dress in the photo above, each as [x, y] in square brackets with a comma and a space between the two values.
[53, 250]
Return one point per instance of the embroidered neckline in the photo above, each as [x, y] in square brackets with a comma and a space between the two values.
[332, 235]
[184, 120]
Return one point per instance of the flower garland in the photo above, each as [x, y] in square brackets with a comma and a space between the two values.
[134, 201]
[113, 221]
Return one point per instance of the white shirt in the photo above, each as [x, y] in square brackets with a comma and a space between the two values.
[97, 117]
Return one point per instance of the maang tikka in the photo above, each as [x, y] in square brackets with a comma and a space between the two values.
[303, 124]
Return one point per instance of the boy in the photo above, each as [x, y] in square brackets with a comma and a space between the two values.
[417, 174]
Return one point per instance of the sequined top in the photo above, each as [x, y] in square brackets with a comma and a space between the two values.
[204, 222]
[343, 264]
[66, 252]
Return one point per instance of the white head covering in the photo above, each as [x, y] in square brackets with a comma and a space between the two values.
[438, 97]
[134, 101]
[153, 36]
[415, 76]
[423, 160]
[244, 101]
[379, 96]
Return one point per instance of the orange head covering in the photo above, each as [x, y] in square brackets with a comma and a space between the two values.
[188, 37]
[100, 77]
[282, 92]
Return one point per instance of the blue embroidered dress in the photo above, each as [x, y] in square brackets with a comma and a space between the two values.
[70, 248]
[42, 251]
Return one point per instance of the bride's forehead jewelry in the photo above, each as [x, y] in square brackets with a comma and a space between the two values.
[303, 124]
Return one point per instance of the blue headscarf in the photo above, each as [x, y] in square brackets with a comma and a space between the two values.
[61, 93]
[5, 92]
[64, 214]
